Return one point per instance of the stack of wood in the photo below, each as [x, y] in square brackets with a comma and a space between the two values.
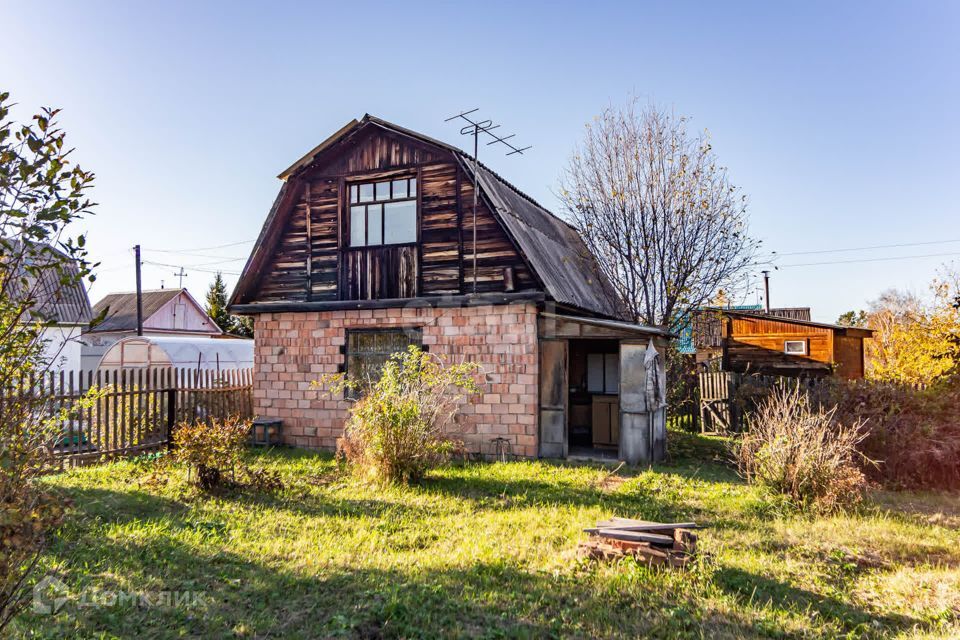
[657, 543]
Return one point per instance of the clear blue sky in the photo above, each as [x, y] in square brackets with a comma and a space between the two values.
[839, 120]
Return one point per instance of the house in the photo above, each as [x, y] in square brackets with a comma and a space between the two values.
[63, 308]
[372, 245]
[778, 342]
[166, 312]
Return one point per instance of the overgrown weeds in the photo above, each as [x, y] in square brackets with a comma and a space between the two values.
[801, 451]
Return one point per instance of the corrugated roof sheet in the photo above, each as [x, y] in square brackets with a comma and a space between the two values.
[55, 301]
[122, 308]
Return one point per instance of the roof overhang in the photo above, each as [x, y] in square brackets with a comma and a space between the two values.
[565, 326]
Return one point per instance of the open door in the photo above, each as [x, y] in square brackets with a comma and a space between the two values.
[643, 426]
[553, 399]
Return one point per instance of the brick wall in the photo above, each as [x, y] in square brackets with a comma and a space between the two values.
[294, 349]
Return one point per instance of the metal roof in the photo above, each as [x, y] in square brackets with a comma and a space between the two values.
[55, 302]
[613, 324]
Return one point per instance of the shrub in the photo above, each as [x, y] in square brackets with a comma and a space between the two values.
[914, 433]
[398, 429]
[802, 452]
[211, 448]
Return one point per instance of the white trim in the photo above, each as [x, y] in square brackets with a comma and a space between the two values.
[802, 343]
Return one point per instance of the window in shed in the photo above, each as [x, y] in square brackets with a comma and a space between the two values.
[383, 213]
[795, 347]
[603, 373]
[369, 350]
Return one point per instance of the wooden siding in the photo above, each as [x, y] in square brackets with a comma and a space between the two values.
[495, 251]
[848, 354]
[755, 344]
[379, 272]
[375, 149]
[311, 262]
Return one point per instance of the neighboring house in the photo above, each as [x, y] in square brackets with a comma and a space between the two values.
[778, 342]
[166, 312]
[64, 308]
[371, 246]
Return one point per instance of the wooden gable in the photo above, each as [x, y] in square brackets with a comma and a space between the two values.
[306, 254]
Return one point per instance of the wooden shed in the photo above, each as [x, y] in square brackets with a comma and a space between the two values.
[780, 344]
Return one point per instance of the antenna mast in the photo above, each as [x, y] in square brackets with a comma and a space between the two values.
[475, 127]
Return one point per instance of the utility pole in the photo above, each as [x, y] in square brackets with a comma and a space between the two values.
[766, 289]
[136, 253]
[180, 275]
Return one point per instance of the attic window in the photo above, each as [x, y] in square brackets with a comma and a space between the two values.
[383, 212]
[795, 347]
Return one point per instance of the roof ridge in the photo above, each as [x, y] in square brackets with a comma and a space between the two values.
[386, 123]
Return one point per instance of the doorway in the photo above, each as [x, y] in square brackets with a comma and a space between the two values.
[593, 425]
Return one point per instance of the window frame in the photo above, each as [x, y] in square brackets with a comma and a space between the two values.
[802, 343]
[413, 195]
[347, 354]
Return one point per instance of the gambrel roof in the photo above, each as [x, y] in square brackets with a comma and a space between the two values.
[551, 247]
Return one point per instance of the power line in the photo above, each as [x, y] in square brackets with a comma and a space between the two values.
[201, 255]
[178, 266]
[219, 246]
[889, 258]
[775, 254]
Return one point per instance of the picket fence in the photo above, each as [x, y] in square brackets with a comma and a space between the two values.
[128, 412]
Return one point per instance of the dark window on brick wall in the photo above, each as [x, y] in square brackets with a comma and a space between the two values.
[369, 350]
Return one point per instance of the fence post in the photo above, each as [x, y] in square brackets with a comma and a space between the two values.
[171, 414]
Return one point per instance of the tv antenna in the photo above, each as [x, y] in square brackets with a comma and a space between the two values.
[475, 127]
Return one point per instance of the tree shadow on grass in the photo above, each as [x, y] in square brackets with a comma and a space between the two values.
[251, 597]
[763, 591]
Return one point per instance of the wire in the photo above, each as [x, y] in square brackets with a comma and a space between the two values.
[878, 246]
[219, 246]
[202, 255]
[194, 268]
[814, 264]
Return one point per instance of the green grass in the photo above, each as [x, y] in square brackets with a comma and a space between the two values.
[489, 550]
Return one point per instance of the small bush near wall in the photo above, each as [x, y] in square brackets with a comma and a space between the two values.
[397, 430]
[802, 452]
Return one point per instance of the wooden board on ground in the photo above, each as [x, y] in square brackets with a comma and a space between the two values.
[674, 545]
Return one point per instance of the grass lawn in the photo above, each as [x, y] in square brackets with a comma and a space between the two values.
[490, 550]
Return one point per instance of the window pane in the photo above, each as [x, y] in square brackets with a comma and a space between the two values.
[611, 373]
[374, 224]
[399, 189]
[383, 191]
[353, 193]
[595, 372]
[366, 192]
[400, 222]
[357, 226]
[412, 191]
[368, 351]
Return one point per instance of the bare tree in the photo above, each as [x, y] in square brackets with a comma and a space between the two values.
[657, 210]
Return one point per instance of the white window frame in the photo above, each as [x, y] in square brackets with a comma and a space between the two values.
[802, 343]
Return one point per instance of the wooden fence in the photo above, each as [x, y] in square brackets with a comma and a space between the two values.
[727, 399]
[131, 411]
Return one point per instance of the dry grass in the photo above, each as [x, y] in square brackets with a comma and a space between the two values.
[800, 451]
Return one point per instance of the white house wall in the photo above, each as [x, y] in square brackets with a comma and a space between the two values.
[62, 349]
